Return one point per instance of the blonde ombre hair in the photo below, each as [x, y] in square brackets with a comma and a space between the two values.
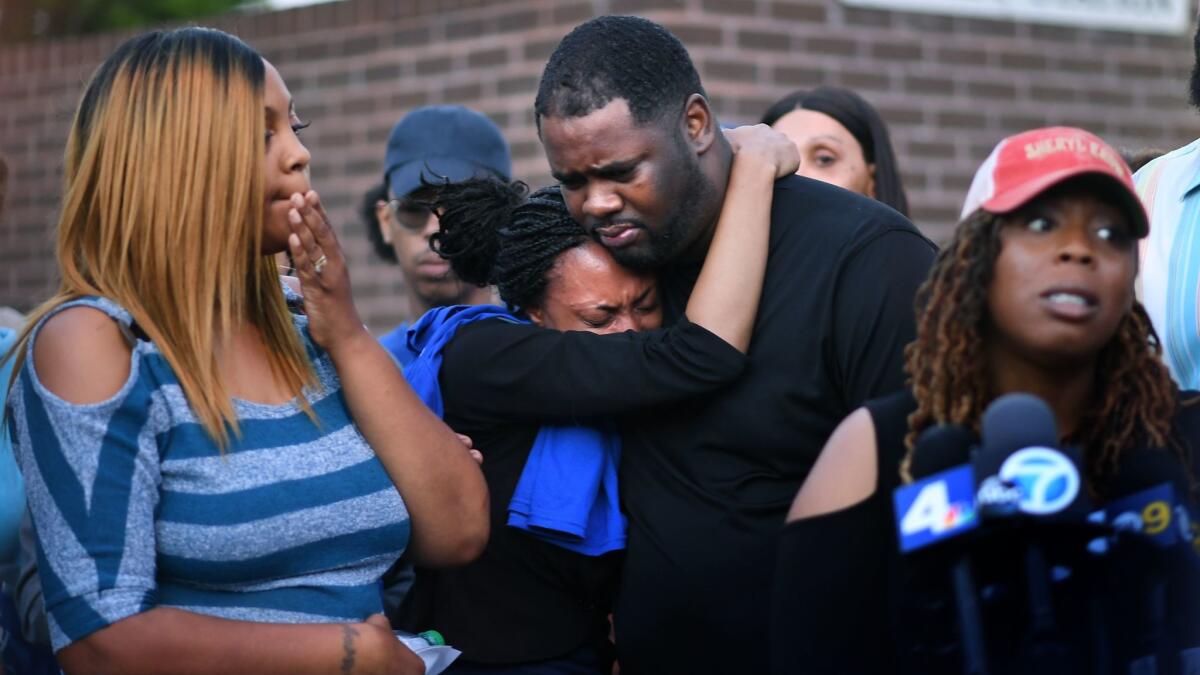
[163, 210]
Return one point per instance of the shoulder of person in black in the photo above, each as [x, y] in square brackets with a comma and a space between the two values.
[813, 217]
[842, 275]
[841, 563]
[860, 629]
[838, 221]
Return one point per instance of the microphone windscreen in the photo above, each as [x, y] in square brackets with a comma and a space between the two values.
[939, 448]
[1013, 422]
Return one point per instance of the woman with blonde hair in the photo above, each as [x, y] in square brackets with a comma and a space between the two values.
[218, 484]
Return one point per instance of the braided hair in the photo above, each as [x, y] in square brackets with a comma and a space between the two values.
[496, 233]
[1135, 399]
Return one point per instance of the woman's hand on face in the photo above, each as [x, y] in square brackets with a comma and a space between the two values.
[324, 279]
[760, 144]
[370, 648]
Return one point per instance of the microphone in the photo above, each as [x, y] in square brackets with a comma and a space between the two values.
[940, 502]
[945, 449]
[940, 448]
[1147, 486]
[1020, 450]
[1018, 469]
[1029, 494]
[1155, 572]
[1016, 421]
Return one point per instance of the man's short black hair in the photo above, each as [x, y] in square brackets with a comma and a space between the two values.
[614, 57]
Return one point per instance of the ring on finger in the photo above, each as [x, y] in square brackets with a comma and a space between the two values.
[320, 264]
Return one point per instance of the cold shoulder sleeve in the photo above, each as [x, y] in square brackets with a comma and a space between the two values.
[835, 573]
[92, 477]
[828, 605]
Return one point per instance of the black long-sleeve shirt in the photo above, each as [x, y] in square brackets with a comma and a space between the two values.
[525, 599]
[707, 483]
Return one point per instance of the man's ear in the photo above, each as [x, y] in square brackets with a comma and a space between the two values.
[535, 315]
[699, 125]
[871, 181]
[382, 218]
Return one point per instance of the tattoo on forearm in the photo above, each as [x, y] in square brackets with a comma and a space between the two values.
[348, 635]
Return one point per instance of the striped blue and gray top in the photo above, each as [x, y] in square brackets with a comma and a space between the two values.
[135, 507]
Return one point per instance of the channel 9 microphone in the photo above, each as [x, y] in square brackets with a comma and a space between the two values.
[1016, 535]
[1155, 571]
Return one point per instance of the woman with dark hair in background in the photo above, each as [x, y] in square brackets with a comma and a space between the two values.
[1034, 293]
[842, 140]
[542, 403]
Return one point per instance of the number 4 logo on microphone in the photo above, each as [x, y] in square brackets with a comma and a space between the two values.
[936, 508]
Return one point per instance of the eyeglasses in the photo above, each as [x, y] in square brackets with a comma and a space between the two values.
[410, 215]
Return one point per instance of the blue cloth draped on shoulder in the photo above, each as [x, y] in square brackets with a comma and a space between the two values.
[567, 494]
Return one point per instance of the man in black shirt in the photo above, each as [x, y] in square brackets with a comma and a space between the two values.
[630, 135]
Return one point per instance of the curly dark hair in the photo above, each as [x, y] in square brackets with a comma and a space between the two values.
[496, 233]
[1135, 399]
[612, 57]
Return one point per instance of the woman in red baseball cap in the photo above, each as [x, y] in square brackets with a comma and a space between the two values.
[1034, 293]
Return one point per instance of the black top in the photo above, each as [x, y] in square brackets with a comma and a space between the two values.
[525, 599]
[707, 483]
[845, 601]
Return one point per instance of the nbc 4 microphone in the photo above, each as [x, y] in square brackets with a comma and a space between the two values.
[939, 449]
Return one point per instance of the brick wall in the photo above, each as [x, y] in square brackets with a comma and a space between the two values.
[949, 88]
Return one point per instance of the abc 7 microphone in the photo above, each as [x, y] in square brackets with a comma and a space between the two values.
[1031, 494]
[1014, 526]
[979, 514]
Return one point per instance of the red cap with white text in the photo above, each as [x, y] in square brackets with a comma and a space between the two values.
[1029, 163]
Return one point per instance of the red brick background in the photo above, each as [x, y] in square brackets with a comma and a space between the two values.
[948, 87]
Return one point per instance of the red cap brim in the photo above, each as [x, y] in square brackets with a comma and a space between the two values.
[1020, 195]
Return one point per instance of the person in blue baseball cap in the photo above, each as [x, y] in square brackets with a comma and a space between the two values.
[433, 144]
